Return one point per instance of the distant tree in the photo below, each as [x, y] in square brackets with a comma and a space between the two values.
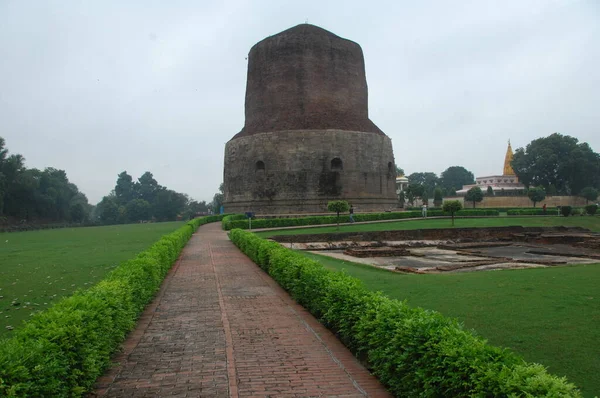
[559, 161]
[451, 192]
[490, 191]
[402, 198]
[147, 187]
[138, 210]
[108, 210]
[474, 195]
[414, 191]
[410, 197]
[452, 206]
[536, 194]
[169, 204]
[125, 188]
[589, 193]
[428, 180]
[437, 197]
[456, 177]
[218, 200]
[399, 171]
[338, 206]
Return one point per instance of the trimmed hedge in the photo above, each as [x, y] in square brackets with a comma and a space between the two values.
[232, 223]
[531, 212]
[61, 351]
[414, 352]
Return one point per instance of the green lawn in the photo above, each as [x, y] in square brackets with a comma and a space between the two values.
[39, 267]
[550, 316]
[592, 223]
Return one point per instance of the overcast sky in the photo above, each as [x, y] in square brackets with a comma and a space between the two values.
[98, 87]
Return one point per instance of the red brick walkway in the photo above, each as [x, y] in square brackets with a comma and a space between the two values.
[221, 327]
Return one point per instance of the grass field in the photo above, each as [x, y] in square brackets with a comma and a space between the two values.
[592, 223]
[550, 316]
[39, 267]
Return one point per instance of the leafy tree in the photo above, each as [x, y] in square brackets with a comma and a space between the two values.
[414, 191]
[474, 195]
[452, 192]
[147, 187]
[108, 210]
[125, 188]
[455, 177]
[559, 161]
[536, 194]
[490, 191]
[338, 206]
[452, 206]
[427, 179]
[399, 171]
[169, 204]
[589, 193]
[138, 210]
[437, 197]
[402, 198]
[218, 200]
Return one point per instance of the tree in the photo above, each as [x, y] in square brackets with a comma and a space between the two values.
[455, 177]
[218, 200]
[452, 206]
[437, 197]
[536, 194]
[338, 206]
[558, 161]
[147, 187]
[490, 191]
[402, 198]
[589, 193]
[138, 210]
[169, 204]
[399, 171]
[108, 210]
[474, 195]
[427, 179]
[125, 188]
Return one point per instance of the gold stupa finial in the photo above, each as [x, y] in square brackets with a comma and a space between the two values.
[508, 170]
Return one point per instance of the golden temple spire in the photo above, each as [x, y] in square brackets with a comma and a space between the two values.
[508, 170]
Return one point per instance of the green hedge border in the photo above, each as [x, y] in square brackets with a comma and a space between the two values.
[414, 352]
[61, 351]
[239, 221]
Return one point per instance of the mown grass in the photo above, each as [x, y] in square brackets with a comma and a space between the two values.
[592, 223]
[39, 267]
[549, 315]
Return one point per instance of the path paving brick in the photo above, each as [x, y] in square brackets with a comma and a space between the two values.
[221, 327]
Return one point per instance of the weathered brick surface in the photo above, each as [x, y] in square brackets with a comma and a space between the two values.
[220, 327]
[307, 137]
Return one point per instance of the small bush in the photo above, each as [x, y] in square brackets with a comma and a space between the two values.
[414, 352]
[566, 211]
[591, 209]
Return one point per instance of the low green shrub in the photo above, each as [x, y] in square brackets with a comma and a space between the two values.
[566, 211]
[528, 212]
[414, 352]
[320, 220]
[227, 219]
[61, 351]
[591, 209]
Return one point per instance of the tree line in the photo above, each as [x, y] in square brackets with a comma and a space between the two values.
[145, 199]
[553, 165]
[33, 195]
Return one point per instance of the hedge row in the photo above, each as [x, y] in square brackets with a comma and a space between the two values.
[414, 352]
[61, 351]
[531, 212]
[234, 222]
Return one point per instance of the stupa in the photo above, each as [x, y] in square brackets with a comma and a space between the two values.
[506, 184]
[307, 137]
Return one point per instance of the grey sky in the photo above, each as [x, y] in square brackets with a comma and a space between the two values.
[98, 87]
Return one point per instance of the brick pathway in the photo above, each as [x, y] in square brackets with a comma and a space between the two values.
[221, 327]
